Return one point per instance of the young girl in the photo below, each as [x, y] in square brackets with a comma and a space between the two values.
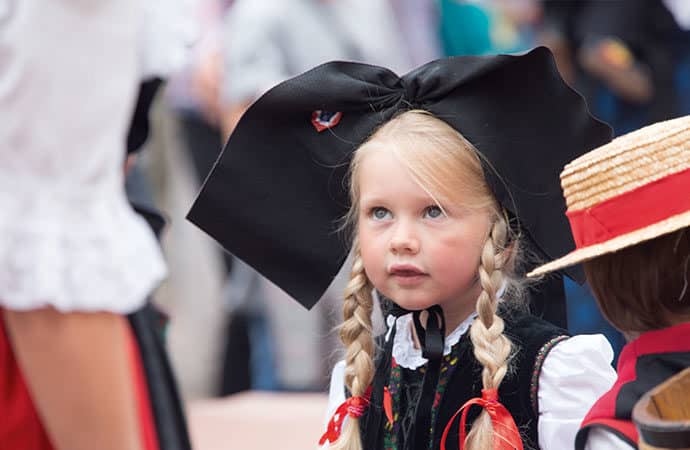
[630, 216]
[452, 177]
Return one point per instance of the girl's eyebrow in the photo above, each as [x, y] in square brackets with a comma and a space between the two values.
[377, 198]
[372, 199]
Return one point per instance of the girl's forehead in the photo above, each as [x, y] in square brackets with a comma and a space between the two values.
[381, 170]
[384, 174]
[383, 177]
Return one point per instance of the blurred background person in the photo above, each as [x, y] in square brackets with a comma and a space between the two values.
[623, 56]
[74, 256]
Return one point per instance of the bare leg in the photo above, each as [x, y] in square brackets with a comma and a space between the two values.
[77, 368]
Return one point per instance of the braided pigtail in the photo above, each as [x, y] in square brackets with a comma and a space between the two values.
[491, 347]
[356, 334]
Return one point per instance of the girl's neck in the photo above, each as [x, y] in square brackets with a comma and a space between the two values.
[451, 324]
[455, 318]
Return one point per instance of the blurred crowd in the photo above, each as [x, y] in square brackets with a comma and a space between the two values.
[230, 329]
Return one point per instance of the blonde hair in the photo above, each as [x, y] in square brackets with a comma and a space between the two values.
[356, 334]
[446, 165]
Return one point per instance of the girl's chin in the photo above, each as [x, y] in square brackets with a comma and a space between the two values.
[414, 304]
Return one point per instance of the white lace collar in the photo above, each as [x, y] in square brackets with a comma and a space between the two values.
[404, 350]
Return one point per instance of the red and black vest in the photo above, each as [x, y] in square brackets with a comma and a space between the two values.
[643, 364]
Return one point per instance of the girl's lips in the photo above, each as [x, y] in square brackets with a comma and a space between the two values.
[405, 270]
[407, 275]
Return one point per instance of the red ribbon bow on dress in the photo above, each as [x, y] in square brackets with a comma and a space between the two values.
[506, 434]
[354, 407]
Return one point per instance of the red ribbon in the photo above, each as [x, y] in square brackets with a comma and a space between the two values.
[632, 210]
[506, 434]
[354, 407]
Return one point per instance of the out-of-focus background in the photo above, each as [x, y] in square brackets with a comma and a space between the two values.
[252, 365]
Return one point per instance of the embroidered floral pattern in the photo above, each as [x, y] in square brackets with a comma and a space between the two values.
[392, 430]
[448, 366]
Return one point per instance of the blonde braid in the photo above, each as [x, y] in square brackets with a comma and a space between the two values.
[356, 334]
[491, 347]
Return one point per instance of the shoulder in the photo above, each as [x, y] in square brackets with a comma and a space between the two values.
[567, 382]
[533, 340]
[525, 329]
[582, 361]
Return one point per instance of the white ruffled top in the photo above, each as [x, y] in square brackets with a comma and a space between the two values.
[410, 356]
[68, 237]
[574, 374]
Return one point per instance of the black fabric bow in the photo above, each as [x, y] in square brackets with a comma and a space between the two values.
[278, 190]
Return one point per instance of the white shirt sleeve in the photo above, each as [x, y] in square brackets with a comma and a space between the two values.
[336, 396]
[598, 439]
[336, 393]
[575, 373]
[68, 237]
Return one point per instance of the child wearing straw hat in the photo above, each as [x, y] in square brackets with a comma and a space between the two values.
[629, 212]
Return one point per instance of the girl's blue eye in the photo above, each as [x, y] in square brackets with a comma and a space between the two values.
[433, 212]
[379, 213]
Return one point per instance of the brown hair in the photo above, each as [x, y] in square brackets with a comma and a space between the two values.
[444, 164]
[643, 287]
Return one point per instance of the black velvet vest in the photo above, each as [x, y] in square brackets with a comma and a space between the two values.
[532, 338]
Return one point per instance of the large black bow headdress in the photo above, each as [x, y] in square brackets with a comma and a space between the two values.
[278, 190]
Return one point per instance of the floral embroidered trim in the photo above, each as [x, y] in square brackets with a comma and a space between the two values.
[391, 429]
[390, 432]
[538, 363]
[448, 366]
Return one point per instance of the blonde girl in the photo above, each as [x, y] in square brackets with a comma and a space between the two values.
[448, 176]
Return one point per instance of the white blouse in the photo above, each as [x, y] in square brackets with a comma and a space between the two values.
[575, 373]
[600, 439]
[69, 74]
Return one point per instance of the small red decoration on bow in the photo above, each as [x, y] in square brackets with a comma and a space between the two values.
[354, 407]
[323, 120]
[506, 434]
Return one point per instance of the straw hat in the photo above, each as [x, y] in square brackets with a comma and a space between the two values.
[633, 189]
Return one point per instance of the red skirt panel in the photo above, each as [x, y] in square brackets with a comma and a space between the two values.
[20, 426]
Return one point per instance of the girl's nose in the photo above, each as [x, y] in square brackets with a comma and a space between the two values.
[404, 240]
